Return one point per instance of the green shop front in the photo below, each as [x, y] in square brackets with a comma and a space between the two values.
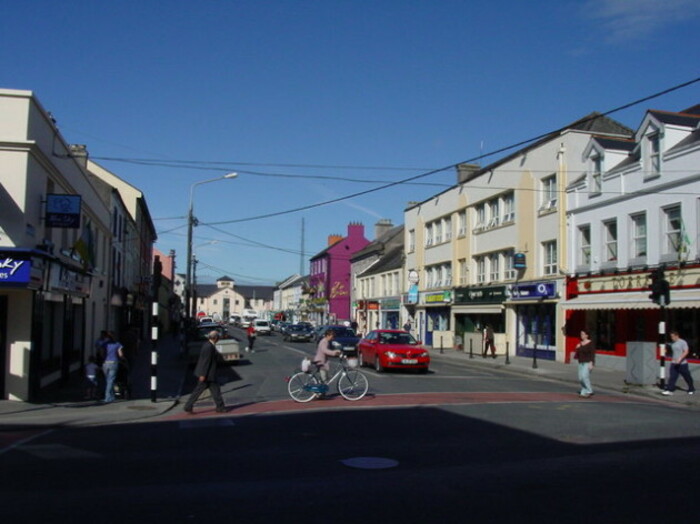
[474, 308]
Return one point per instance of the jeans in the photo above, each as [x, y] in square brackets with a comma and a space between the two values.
[680, 369]
[584, 377]
[110, 371]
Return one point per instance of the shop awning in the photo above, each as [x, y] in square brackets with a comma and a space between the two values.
[633, 300]
[480, 309]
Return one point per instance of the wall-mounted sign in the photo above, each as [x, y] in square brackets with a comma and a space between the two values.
[390, 303]
[481, 295]
[533, 290]
[440, 297]
[519, 261]
[15, 271]
[63, 211]
[413, 278]
[413, 294]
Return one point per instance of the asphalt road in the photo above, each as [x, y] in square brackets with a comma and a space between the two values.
[467, 445]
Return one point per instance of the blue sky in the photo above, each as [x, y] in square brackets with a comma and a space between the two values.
[313, 101]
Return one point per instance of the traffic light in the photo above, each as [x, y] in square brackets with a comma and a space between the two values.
[660, 288]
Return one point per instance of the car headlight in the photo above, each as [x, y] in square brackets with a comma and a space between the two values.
[391, 354]
[336, 345]
[424, 354]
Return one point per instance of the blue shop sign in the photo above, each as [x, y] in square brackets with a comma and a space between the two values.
[15, 271]
[413, 294]
[63, 211]
[535, 290]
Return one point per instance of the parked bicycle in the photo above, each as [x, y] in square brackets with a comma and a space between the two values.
[304, 386]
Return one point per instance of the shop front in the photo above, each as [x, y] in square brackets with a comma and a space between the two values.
[474, 308]
[617, 309]
[434, 310]
[389, 311]
[42, 321]
[535, 307]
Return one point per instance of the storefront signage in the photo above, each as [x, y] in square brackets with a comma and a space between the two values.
[534, 290]
[413, 294]
[519, 261]
[63, 211]
[15, 271]
[434, 298]
[481, 295]
[390, 303]
[413, 277]
[68, 281]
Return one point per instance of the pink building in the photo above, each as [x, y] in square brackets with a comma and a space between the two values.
[329, 276]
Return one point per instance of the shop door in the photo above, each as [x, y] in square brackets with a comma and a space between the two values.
[3, 345]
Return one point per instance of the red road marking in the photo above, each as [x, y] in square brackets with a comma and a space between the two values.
[405, 400]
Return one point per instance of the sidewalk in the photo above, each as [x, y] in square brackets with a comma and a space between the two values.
[602, 379]
[64, 404]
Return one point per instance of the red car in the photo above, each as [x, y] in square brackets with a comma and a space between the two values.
[393, 348]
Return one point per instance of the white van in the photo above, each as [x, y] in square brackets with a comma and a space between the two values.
[262, 327]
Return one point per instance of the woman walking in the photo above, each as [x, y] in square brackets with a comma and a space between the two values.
[585, 353]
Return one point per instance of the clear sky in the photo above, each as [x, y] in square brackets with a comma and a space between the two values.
[313, 101]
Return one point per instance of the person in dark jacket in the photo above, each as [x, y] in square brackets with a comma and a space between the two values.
[206, 371]
[585, 353]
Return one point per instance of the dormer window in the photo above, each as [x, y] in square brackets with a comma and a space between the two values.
[654, 154]
[597, 174]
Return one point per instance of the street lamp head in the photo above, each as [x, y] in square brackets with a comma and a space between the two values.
[231, 175]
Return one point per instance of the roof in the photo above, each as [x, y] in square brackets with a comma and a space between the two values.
[392, 259]
[225, 279]
[389, 237]
[616, 144]
[678, 119]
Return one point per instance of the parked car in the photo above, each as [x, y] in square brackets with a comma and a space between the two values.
[262, 327]
[283, 326]
[345, 338]
[227, 346]
[393, 348]
[297, 333]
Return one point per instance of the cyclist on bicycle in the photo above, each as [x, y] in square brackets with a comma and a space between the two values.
[323, 352]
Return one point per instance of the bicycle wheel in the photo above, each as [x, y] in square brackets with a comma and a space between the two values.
[353, 385]
[298, 387]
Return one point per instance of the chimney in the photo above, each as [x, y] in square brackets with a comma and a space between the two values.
[332, 239]
[80, 153]
[466, 171]
[381, 227]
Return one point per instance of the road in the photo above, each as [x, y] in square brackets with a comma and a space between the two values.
[454, 445]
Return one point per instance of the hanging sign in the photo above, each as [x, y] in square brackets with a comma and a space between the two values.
[63, 211]
[519, 261]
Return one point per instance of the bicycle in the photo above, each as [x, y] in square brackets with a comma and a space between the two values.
[352, 384]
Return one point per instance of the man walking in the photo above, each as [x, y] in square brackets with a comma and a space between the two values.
[679, 365]
[205, 371]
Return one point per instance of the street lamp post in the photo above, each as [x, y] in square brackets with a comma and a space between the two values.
[191, 222]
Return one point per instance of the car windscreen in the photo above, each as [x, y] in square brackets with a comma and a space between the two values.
[343, 332]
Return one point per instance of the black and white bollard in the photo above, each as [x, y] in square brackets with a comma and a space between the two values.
[662, 353]
[154, 352]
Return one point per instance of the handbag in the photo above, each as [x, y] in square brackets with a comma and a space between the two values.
[305, 365]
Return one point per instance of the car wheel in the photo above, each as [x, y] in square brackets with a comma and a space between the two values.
[377, 364]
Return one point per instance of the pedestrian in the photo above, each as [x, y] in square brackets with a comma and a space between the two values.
[585, 354]
[488, 341]
[323, 351]
[679, 365]
[100, 346]
[407, 326]
[206, 373]
[250, 331]
[113, 351]
[91, 370]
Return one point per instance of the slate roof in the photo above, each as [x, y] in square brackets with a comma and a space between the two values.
[392, 259]
[388, 237]
[616, 144]
[678, 119]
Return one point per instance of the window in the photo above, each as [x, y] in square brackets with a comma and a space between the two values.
[447, 270]
[508, 263]
[447, 229]
[429, 235]
[463, 271]
[549, 192]
[508, 208]
[494, 214]
[480, 270]
[654, 152]
[672, 229]
[462, 221]
[549, 251]
[584, 243]
[437, 232]
[411, 240]
[597, 174]
[610, 232]
[480, 216]
[495, 273]
[639, 235]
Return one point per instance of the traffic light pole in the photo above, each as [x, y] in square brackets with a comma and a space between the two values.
[662, 349]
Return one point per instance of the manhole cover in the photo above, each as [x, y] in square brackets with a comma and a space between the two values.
[142, 408]
[370, 463]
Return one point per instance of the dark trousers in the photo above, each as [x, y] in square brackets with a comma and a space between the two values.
[680, 369]
[488, 344]
[251, 341]
[214, 389]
